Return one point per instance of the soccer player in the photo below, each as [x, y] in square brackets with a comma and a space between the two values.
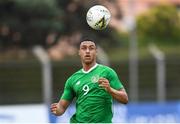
[94, 86]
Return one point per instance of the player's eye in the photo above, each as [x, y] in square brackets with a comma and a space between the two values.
[91, 47]
[83, 48]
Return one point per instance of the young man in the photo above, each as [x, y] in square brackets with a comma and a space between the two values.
[94, 86]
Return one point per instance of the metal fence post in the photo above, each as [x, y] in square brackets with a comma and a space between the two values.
[46, 73]
[160, 72]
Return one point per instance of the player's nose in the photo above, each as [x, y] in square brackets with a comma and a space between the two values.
[87, 50]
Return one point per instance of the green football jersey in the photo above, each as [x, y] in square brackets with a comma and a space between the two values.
[93, 103]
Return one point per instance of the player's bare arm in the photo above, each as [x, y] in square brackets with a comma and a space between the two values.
[119, 95]
[60, 107]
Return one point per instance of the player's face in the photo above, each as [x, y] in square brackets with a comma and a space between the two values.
[88, 52]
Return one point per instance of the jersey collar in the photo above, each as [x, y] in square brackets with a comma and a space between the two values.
[90, 69]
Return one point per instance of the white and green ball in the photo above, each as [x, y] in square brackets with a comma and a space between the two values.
[98, 17]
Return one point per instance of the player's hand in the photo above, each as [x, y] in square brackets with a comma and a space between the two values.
[103, 82]
[54, 108]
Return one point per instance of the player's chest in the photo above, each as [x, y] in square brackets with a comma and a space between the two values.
[85, 84]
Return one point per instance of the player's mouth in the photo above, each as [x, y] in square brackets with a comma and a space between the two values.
[87, 56]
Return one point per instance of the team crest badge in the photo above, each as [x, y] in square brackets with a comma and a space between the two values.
[95, 78]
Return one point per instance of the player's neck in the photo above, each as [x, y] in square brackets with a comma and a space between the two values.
[86, 67]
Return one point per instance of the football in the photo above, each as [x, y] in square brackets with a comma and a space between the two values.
[98, 17]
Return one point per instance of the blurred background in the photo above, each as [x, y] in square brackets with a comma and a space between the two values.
[39, 42]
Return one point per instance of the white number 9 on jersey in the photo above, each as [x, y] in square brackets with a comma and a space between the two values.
[85, 89]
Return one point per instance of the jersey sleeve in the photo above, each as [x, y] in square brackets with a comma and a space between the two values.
[68, 93]
[114, 80]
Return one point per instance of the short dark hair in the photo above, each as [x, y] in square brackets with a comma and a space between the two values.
[87, 39]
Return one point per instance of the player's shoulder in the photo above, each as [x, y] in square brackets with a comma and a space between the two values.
[74, 74]
[77, 72]
[105, 67]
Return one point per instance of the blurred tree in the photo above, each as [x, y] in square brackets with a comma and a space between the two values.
[30, 22]
[160, 24]
[31, 19]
